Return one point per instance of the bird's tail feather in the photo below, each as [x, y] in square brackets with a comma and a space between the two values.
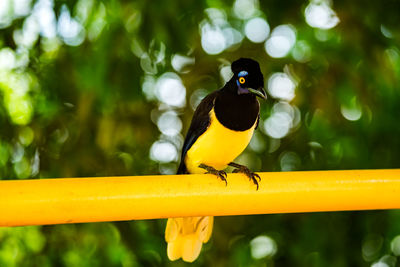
[185, 236]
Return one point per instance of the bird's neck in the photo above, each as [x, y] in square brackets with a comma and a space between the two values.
[236, 112]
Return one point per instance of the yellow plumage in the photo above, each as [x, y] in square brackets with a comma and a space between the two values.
[185, 236]
[216, 147]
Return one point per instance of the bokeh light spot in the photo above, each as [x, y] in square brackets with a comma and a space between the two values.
[232, 37]
[380, 264]
[351, 111]
[22, 7]
[167, 169]
[44, 15]
[245, 9]
[7, 59]
[320, 15]
[182, 63]
[226, 73]
[257, 142]
[278, 125]
[69, 28]
[29, 33]
[22, 168]
[395, 245]
[163, 151]
[263, 246]
[281, 86]
[170, 90]
[169, 123]
[20, 110]
[26, 135]
[5, 13]
[149, 87]
[196, 97]
[371, 246]
[212, 39]
[281, 41]
[98, 23]
[257, 30]
[302, 52]
[290, 161]
[386, 32]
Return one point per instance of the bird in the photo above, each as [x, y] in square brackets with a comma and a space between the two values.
[221, 128]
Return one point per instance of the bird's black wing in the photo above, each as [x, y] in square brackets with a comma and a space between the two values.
[198, 126]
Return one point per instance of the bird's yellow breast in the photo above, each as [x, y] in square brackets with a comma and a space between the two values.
[217, 146]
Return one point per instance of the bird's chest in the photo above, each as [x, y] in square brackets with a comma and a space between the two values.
[217, 146]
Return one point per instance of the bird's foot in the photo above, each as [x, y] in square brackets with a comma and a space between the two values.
[219, 173]
[243, 169]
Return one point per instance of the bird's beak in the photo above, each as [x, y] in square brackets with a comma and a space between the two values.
[258, 92]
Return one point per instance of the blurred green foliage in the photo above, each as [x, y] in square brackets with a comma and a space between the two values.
[79, 97]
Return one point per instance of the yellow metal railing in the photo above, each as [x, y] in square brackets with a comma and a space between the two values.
[73, 200]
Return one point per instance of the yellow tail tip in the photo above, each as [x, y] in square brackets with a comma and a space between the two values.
[185, 236]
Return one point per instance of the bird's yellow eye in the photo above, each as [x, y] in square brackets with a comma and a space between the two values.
[242, 80]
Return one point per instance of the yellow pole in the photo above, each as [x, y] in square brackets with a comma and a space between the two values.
[73, 200]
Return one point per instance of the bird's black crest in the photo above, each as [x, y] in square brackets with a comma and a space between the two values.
[247, 64]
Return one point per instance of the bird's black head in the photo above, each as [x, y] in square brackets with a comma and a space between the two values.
[248, 77]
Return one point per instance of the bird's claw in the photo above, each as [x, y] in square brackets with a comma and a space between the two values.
[251, 175]
[219, 173]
